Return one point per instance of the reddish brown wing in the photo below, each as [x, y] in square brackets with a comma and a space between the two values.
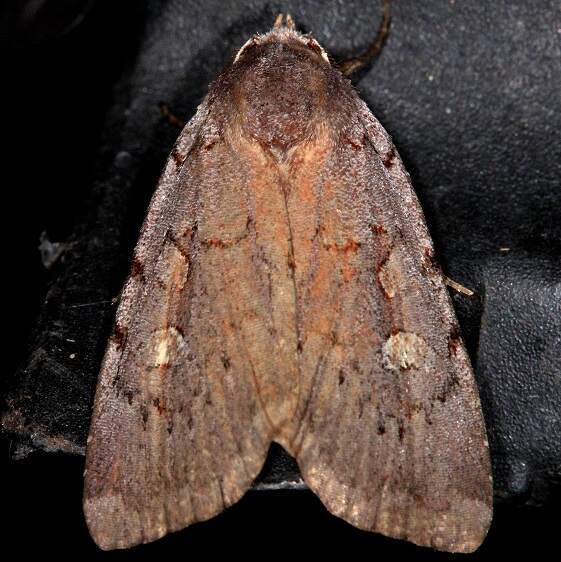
[178, 429]
[389, 431]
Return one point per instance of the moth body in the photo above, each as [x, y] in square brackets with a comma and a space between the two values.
[284, 289]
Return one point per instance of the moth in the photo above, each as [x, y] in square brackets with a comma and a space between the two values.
[284, 288]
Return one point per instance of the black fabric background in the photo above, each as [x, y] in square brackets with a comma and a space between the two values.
[469, 92]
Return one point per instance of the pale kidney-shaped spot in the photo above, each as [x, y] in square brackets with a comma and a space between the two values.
[404, 351]
[166, 344]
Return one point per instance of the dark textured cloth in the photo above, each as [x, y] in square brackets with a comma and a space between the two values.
[469, 92]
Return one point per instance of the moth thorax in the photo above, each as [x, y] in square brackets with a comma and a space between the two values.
[281, 98]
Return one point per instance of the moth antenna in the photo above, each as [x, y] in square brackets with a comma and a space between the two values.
[290, 22]
[281, 22]
[170, 116]
[351, 65]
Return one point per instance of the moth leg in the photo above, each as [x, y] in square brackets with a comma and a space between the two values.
[170, 116]
[457, 286]
[351, 65]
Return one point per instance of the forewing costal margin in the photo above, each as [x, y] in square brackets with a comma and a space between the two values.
[284, 289]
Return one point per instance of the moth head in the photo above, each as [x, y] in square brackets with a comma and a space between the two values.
[277, 87]
[283, 35]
